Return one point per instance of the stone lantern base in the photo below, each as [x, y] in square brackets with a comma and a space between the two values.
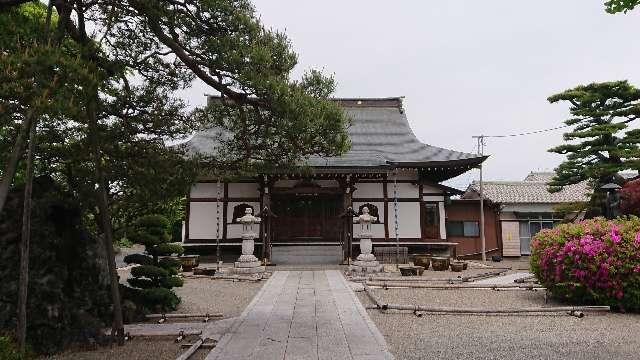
[366, 261]
[248, 263]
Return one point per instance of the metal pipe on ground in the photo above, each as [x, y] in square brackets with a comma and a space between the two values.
[386, 284]
[235, 278]
[525, 279]
[190, 351]
[421, 279]
[451, 310]
[181, 316]
[577, 311]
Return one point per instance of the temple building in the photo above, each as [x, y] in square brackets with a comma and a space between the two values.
[388, 170]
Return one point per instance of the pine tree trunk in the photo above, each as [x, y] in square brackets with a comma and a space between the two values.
[117, 330]
[24, 244]
[14, 158]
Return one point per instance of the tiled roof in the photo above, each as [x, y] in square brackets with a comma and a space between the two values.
[546, 176]
[533, 189]
[380, 135]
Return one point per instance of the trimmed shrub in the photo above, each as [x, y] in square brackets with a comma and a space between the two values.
[159, 298]
[155, 276]
[138, 259]
[592, 262]
[166, 249]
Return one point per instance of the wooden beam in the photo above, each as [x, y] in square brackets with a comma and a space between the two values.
[225, 203]
[385, 194]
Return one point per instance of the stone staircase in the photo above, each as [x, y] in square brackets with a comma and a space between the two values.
[306, 254]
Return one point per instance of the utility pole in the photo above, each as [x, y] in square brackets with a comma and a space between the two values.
[482, 238]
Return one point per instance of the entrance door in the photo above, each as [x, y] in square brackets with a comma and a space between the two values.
[430, 221]
[307, 218]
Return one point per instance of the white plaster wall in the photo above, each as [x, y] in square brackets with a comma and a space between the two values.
[235, 230]
[206, 190]
[433, 198]
[405, 190]
[408, 220]
[409, 174]
[369, 190]
[510, 238]
[202, 220]
[244, 190]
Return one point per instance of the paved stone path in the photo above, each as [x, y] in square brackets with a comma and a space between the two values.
[303, 315]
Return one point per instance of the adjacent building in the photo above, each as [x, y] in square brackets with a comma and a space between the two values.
[523, 208]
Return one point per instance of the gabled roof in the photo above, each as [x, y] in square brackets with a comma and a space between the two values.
[380, 137]
[532, 190]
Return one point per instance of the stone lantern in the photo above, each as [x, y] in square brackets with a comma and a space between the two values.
[366, 261]
[248, 263]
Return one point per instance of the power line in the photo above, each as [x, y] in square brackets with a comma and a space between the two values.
[521, 134]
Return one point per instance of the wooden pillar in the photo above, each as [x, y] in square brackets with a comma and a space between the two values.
[187, 216]
[225, 203]
[385, 192]
[265, 225]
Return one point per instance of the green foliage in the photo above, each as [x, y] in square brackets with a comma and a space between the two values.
[8, 350]
[150, 230]
[138, 259]
[141, 283]
[592, 262]
[167, 249]
[149, 271]
[159, 299]
[616, 6]
[169, 263]
[600, 145]
[172, 281]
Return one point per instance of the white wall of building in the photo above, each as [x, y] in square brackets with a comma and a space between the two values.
[369, 190]
[202, 220]
[206, 190]
[405, 190]
[408, 220]
[443, 218]
[244, 190]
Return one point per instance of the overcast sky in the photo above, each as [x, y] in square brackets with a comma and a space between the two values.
[465, 67]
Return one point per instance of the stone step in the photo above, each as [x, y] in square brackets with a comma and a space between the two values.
[296, 255]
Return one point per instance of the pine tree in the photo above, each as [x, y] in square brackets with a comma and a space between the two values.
[600, 145]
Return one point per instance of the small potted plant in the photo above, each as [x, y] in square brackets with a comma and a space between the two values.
[423, 260]
[457, 265]
[440, 263]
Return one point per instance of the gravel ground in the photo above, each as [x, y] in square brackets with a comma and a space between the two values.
[211, 296]
[596, 336]
[198, 296]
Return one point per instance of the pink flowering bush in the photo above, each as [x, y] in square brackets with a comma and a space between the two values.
[592, 262]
